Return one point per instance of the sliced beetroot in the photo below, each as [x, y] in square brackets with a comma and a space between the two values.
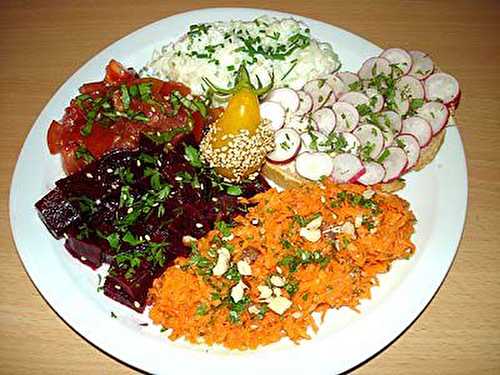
[371, 138]
[347, 168]
[373, 67]
[321, 93]
[286, 146]
[274, 112]
[399, 57]
[410, 146]
[374, 173]
[410, 87]
[423, 66]
[436, 114]
[347, 116]
[301, 123]
[314, 165]
[443, 87]
[305, 103]
[394, 163]
[287, 97]
[325, 119]
[419, 128]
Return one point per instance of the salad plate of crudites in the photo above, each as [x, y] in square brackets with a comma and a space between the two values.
[243, 190]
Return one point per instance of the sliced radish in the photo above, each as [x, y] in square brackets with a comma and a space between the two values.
[347, 116]
[394, 163]
[371, 138]
[321, 93]
[436, 114]
[305, 103]
[376, 99]
[374, 173]
[347, 168]
[354, 98]
[353, 143]
[314, 165]
[410, 87]
[348, 78]
[402, 105]
[444, 87]
[373, 67]
[313, 141]
[391, 120]
[288, 98]
[399, 57]
[419, 128]
[286, 146]
[273, 112]
[301, 123]
[337, 85]
[325, 118]
[410, 145]
[422, 67]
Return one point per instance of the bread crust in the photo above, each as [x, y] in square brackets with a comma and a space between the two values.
[285, 175]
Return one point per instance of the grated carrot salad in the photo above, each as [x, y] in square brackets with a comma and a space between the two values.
[362, 233]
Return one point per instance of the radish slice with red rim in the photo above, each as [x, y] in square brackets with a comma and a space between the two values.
[371, 138]
[352, 143]
[410, 145]
[301, 123]
[374, 173]
[419, 128]
[436, 114]
[286, 146]
[355, 98]
[337, 85]
[320, 91]
[347, 116]
[273, 112]
[376, 100]
[422, 67]
[288, 98]
[399, 57]
[394, 163]
[443, 87]
[305, 103]
[350, 79]
[347, 168]
[314, 165]
[401, 105]
[313, 141]
[410, 87]
[325, 118]
[390, 120]
[373, 67]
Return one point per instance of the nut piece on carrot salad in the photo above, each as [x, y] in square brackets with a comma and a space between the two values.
[296, 252]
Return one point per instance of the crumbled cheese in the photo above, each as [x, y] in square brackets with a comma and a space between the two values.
[280, 304]
[277, 292]
[348, 228]
[358, 221]
[315, 224]
[310, 235]
[253, 310]
[222, 262]
[228, 238]
[265, 292]
[279, 270]
[188, 240]
[368, 193]
[277, 281]
[238, 291]
[244, 268]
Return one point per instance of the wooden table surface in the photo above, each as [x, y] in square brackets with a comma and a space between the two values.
[43, 42]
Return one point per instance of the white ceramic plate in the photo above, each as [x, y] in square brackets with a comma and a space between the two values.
[438, 196]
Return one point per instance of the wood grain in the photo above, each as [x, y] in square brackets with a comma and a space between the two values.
[42, 43]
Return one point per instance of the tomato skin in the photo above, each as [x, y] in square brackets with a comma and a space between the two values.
[54, 137]
[116, 73]
[198, 126]
[99, 140]
[70, 162]
[168, 87]
[93, 88]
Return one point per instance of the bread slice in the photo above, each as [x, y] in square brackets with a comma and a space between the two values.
[285, 175]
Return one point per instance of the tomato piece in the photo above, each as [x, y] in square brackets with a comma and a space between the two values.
[198, 126]
[74, 116]
[70, 162]
[168, 87]
[116, 73]
[129, 133]
[156, 84]
[99, 140]
[94, 88]
[54, 137]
